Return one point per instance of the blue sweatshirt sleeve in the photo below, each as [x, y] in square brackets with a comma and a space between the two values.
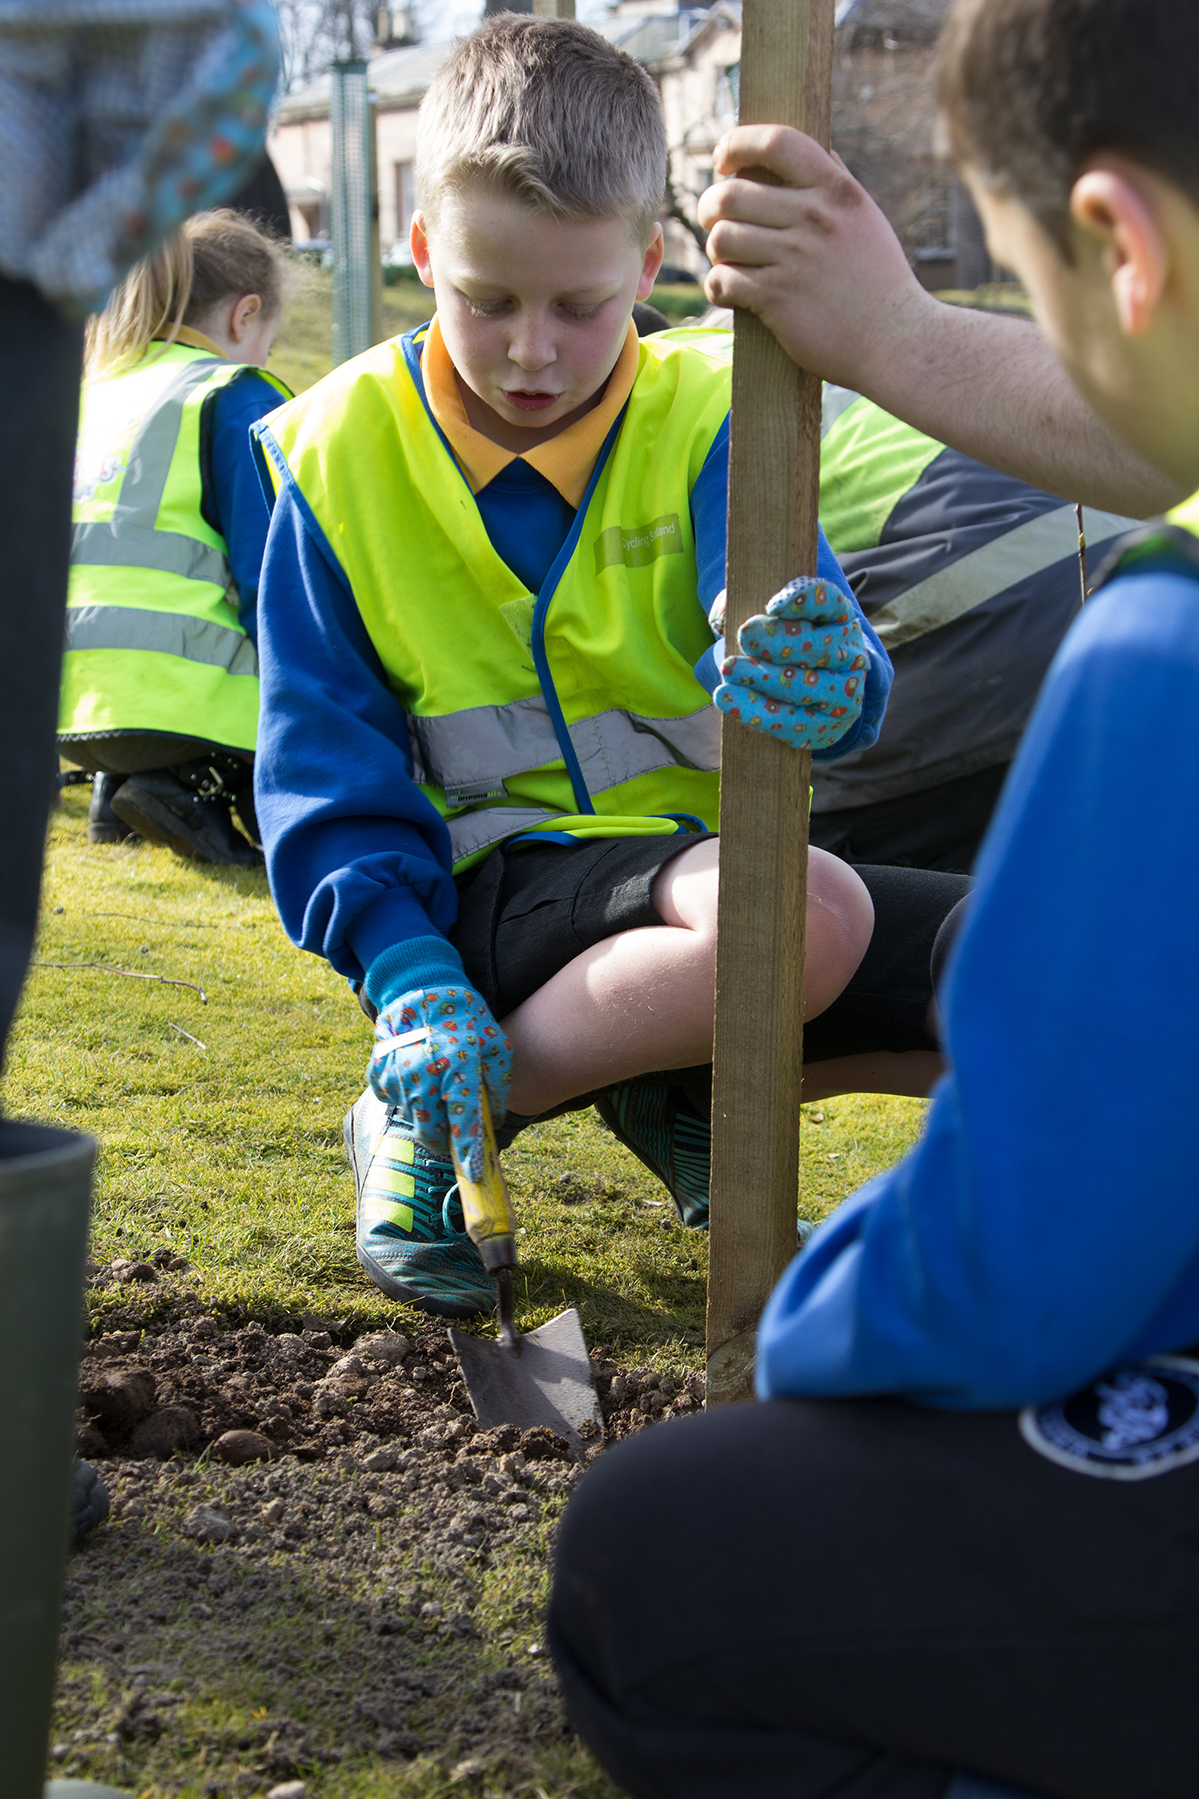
[1044, 1229]
[709, 516]
[233, 501]
[358, 859]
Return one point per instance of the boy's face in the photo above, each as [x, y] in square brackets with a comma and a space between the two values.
[1123, 314]
[534, 311]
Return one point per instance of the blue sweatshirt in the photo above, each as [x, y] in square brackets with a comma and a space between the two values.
[1046, 1227]
[232, 501]
[359, 860]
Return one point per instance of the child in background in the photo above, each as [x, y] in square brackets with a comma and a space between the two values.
[961, 1534]
[160, 676]
[489, 766]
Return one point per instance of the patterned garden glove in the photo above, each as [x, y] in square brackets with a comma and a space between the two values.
[434, 1049]
[802, 668]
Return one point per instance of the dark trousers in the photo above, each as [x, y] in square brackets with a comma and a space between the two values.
[803, 1600]
[937, 827]
[40, 363]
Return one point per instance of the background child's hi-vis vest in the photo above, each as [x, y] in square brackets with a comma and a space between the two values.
[153, 638]
[575, 709]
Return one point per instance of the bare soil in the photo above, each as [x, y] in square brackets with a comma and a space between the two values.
[315, 1555]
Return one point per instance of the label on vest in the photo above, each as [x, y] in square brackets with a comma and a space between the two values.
[474, 793]
[1130, 1425]
[640, 545]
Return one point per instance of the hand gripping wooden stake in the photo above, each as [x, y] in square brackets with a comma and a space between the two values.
[774, 471]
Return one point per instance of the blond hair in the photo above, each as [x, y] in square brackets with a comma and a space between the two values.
[550, 113]
[213, 256]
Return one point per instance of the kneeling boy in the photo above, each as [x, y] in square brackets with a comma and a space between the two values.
[488, 769]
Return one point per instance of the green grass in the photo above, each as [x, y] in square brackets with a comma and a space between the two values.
[228, 1149]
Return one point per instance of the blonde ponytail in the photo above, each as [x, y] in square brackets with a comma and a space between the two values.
[213, 256]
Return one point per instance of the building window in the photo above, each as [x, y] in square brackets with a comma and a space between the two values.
[405, 199]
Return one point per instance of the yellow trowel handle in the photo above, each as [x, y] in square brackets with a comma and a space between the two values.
[486, 1207]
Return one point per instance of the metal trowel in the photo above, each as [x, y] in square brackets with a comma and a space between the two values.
[543, 1377]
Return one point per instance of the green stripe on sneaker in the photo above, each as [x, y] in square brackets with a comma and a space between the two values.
[389, 1180]
[376, 1210]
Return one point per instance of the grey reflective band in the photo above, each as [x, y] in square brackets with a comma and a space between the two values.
[98, 545]
[492, 743]
[166, 633]
[833, 402]
[474, 831]
[129, 539]
[991, 570]
[618, 746]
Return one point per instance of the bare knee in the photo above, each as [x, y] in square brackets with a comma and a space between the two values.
[840, 916]
[840, 922]
[685, 889]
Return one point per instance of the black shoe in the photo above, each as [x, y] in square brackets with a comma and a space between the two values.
[165, 809]
[103, 825]
[89, 1504]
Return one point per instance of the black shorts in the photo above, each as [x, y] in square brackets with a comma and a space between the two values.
[528, 910]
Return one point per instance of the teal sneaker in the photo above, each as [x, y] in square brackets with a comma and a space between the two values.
[409, 1234]
[664, 1130]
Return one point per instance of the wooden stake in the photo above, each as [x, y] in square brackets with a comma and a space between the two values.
[774, 471]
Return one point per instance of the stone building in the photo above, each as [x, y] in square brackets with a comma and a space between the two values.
[883, 125]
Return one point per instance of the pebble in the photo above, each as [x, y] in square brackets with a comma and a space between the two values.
[274, 1512]
[385, 1346]
[380, 1461]
[207, 1524]
[237, 1447]
[172, 1427]
[289, 1789]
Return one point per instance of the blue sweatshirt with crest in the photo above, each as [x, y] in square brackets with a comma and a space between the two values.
[1046, 1226]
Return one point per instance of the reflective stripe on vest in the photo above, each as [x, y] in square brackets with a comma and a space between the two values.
[153, 639]
[167, 633]
[509, 695]
[991, 569]
[869, 461]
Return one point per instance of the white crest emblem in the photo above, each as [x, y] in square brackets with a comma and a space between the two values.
[1128, 1425]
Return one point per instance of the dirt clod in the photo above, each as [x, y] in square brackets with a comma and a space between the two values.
[170, 1428]
[208, 1525]
[237, 1447]
[117, 1399]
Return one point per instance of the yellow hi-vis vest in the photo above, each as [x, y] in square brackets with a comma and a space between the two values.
[575, 709]
[153, 638]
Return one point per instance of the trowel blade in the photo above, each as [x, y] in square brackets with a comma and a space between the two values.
[549, 1382]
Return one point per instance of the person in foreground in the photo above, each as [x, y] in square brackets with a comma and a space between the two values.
[488, 774]
[956, 1547]
[160, 676]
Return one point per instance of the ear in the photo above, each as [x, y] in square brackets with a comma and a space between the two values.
[418, 239]
[1116, 212]
[652, 263]
[245, 311]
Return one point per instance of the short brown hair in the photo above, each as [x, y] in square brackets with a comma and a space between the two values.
[549, 112]
[1030, 89]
